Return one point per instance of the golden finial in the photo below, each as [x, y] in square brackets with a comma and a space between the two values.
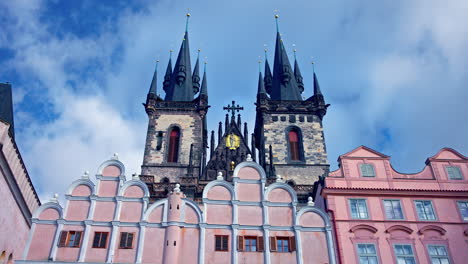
[188, 12]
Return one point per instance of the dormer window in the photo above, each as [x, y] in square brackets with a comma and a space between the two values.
[367, 170]
[454, 173]
[174, 138]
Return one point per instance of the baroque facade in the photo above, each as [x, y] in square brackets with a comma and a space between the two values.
[242, 221]
[384, 216]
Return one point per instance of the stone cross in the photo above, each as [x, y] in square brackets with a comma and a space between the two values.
[233, 108]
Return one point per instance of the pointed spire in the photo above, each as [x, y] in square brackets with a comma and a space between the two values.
[252, 147]
[297, 74]
[167, 76]
[181, 87]
[153, 87]
[317, 91]
[220, 132]
[204, 85]
[212, 144]
[261, 93]
[284, 84]
[196, 75]
[268, 77]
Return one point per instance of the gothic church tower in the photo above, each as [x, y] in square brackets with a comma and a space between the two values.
[288, 129]
[176, 142]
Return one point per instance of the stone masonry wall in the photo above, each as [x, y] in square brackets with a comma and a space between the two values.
[155, 161]
[306, 172]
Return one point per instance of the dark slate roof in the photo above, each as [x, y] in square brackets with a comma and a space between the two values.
[298, 76]
[268, 77]
[181, 86]
[284, 82]
[196, 76]
[6, 106]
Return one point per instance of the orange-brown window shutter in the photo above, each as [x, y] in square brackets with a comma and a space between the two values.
[77, 239]
[292, 244]
[240, 243]
[273, 245]
[260, 244]
[63, 239]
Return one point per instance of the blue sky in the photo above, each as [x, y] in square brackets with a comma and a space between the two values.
[394, 72]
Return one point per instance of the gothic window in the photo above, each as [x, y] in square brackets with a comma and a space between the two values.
[174, 139]
[295, 144]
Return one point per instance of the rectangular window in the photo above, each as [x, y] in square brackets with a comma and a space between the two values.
[358, 208]
[221, 243]
[283, 244]
[463, 206]
[425, 210]
[404, 254]
[454, 173]
[100, 239]
[70, 238]
[393, 209]
[367, 254]
[438, 254]
[126, 240]
[367, 170]
[250, 243]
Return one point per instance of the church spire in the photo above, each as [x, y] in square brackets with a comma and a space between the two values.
[153, 88]
[284, 83]
[204, 85]
[181, 87]
[167, 76]
[298, 75]
[196, 75]
[268, 77]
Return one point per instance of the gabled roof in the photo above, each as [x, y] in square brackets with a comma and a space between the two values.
[363, 152]
[447, 154]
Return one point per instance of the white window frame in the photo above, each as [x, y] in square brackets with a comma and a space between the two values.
[458, 170]
[351, 208]
[464, 218]
[369, 166]
[404, 255]
[432, 208]
[367, 254]
[393, 210]
[438, 256]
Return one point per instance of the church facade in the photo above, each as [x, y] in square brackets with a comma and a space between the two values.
[288, 136]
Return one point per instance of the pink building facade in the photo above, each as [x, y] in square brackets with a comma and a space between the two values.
[18, 198]
[240, 222]
[383, 216]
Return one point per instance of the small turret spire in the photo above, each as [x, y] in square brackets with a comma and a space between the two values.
[196, 75]
[268, 77]
[204, 85]
[153, 87]
[297, 74]
[167, 76]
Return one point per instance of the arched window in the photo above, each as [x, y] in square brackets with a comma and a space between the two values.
[294, 145]
[174, 138]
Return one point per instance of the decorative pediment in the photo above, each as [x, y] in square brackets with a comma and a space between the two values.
[363, 152]
[395, 228]
[438, 229]
[363, 227]
[447, 154]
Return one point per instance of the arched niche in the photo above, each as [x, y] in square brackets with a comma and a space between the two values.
[219, 190]
[49, 211]
[156, 213]
[280, 193]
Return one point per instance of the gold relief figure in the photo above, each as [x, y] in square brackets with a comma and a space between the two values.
[232, 141]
